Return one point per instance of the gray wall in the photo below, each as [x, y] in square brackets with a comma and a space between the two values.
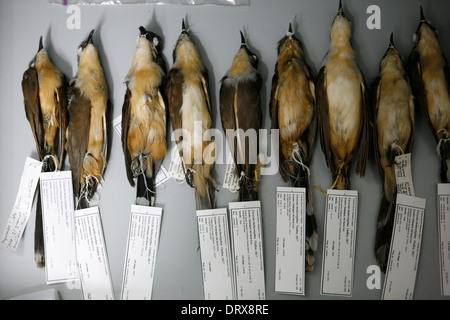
[216, 32]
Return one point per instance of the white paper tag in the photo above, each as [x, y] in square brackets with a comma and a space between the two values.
[403, 175]
[58, 222]
[117, 125]
[20, 213]
[339, 242]
[405, 248]
[93, 265]
[215, 252]
[290, 243]
[231, 177]
[176, 169]
[444, 236]
[246, 240]
[162, 175]
[142, 250]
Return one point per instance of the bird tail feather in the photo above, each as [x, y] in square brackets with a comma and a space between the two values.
[204, 187]
[385, 225]
[145, 190]
[39, 249]
[300, 178]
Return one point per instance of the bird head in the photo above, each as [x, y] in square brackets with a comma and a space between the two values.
[184, 46]
[341, 27]
[253, 58]
[392, 56]
[425, 28]
[289, 42]
[148, 38]
[40, 49]
[83, 45]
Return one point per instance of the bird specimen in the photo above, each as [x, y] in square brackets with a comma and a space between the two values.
[44, 92]
[189, 107]
[144, 116]
[342, 106]
[393, 107]
[292, 111]
[87, 129]
[240, 111]
[430, 81]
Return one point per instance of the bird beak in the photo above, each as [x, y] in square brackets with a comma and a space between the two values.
[391, 41]
[243, 43]
[143, 31]
[40, 44]
[89, 39]
[422, 16]
[341, 10]
[290, 33]
[183, 27]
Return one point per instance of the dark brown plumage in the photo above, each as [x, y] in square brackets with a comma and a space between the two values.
[44, 92]
[393, 135]
[241, 115]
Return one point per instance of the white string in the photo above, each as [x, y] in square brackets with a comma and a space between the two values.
[438, 148]
[296, 156]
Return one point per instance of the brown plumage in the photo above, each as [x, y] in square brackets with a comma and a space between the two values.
[342, 106]
[393, 106]
[241, 115]
[292, 110]
[144, 116]
[430, 80]
[189, 106]
[43, 87]
[87, 130]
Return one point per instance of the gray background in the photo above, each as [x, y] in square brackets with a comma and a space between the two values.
[216, 33]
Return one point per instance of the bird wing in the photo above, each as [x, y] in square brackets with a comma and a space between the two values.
[205, 86]
[61, 104]
[30, 90]
[274, 106]
[249, 113]
[375, 98]
[365, 132]
[125, 126]
[77, 136]
[417, 85]
[312, 129]
[175, 81]
[322, 114]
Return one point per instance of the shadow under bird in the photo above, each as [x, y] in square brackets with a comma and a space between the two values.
[393, 135]
[240, 111]
[189, 105]
[342, 106]
[44, 92]
[87, 130]
[144, 116]
[430, 81]
[292, 111]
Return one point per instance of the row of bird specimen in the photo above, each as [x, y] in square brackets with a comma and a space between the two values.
[338, 106]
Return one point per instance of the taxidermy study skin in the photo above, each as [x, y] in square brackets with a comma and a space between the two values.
[240, 110]
[44, 91]
[430, 81]
[341, 104]
[87, 132]
[393, 135]
[144, 116]
[189, 106]
[292, 111]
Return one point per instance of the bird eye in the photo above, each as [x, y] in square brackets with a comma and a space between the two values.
[254, 57]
